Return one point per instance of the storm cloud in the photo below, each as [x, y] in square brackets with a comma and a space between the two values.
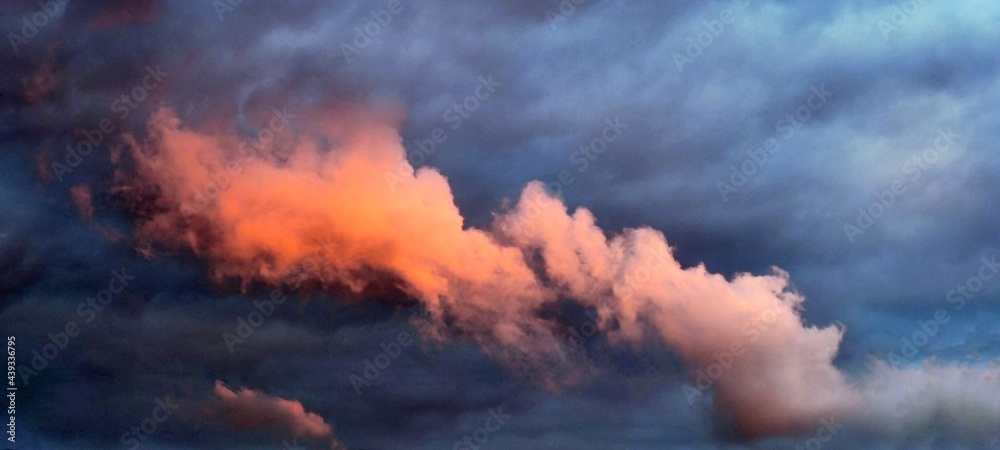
[308, 177]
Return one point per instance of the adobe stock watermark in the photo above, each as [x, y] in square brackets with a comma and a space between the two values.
[751, 330]
[580, 334]
[221, 179]
[32, 23]
[898, 15]
[124, 104]
[641, 276]
[374, 367]
[480, 436]
[566, 8]
[975, 283]
[828, 428]
[574, 341]
[581, 159]
[365, 34]
[225, 6]
[136, 435]
[294, 445]
[11, 401]
[88, 310]
[784, 128]
[925, 331]
[263, 309]
[911, 171]
[455, 115]
[246, 326]
[587, 154]
[698, 42]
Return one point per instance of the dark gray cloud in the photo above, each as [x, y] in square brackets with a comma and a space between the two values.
[896, 82]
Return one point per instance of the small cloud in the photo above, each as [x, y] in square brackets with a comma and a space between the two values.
[42, 83]
[248, 409]
[84, 201]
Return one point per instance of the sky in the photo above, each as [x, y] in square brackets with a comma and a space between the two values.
[508, 224]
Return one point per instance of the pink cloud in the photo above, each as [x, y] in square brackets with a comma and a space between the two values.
[249, 409]
[340, 186]
[84, 201]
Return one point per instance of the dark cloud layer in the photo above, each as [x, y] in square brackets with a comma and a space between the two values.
[898, 76]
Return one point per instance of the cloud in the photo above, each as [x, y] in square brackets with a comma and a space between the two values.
[748, 327]
[561, 81]
[960, 402]
[43, 82]
[338, 186]
[83, 201]
[248, 409]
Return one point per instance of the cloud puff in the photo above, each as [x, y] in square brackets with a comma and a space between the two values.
[83, 200]
[251, 410]
[339, 186]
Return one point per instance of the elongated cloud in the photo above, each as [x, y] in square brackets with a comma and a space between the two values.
[337, 184]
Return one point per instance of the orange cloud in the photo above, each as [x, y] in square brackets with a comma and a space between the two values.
[339, 185]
